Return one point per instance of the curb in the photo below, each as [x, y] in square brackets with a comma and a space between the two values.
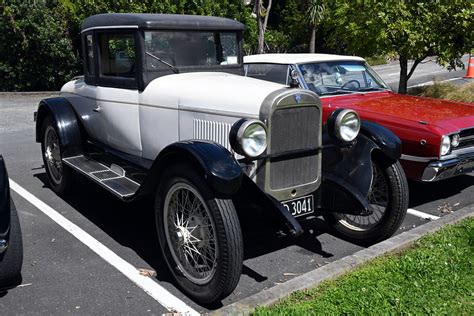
[28, 93]
[339, 267]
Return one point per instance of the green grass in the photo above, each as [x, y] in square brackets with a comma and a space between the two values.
[435, 276]
[464, 93]
[376, 60]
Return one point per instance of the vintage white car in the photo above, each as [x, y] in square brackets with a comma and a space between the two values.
[180, 122]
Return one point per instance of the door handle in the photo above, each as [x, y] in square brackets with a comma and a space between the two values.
[98, 109]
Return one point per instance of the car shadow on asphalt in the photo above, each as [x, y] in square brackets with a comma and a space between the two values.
[425, 192]
[132, 225]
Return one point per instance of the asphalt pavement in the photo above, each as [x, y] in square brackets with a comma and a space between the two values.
[63, 273]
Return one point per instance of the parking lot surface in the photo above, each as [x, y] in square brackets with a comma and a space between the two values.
[79, 249]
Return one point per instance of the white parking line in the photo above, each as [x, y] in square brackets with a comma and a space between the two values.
[421, 214]
[160, 294]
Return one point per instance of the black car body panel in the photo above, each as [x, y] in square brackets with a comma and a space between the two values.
[4, 201]
[222, 172]
[386, 141]
[67, 124]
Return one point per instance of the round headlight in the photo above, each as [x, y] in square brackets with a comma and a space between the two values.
[445, 145]
[344, 124]
[249, 138]
[455, 139]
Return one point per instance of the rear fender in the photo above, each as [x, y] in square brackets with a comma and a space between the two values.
[66, 123]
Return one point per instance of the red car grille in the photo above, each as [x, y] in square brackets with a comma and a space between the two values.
[466, 138]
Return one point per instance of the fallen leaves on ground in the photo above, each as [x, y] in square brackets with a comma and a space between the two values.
[147, 272]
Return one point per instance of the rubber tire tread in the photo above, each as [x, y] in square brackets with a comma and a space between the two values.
[235, 241]
[67, 181]
[12, 259]
[228, 274]
[393, 218]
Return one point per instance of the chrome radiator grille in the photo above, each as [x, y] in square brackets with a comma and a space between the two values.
[294, 129]
[466, 138]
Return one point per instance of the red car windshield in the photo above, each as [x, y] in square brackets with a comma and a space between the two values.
[326, 78]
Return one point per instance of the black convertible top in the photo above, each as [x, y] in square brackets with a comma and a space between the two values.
[161, 21]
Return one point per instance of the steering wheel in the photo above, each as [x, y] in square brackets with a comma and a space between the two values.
[349, 82]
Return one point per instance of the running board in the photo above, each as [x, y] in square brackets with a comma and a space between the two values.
[112, 178]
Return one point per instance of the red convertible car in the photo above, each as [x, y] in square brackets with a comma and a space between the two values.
[437, 135]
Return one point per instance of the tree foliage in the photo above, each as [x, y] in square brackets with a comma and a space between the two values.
[411, 29]
[36, 51]
[41, 45]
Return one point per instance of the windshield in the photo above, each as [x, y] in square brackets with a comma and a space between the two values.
[190, 48]
[341, 77]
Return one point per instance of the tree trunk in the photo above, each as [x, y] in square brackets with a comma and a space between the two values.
[262, 23]
[405, 75]
[261, 36]
[312, 41]
[403, 81]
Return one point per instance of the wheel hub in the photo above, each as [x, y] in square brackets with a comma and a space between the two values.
[49, 155]
[52, 155]
[190, 232]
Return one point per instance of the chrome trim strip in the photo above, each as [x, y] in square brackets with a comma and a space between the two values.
[417, 158]
[352, 92]
[218, 112]
[466, 138]
[461, 151]
[110, 27]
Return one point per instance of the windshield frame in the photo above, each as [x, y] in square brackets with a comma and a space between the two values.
[239, 47]
[148, 76]
[369, 70]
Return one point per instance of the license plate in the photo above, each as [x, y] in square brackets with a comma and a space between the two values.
[301, 206]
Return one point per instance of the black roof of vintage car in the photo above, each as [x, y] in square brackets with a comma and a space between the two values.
[161, 21]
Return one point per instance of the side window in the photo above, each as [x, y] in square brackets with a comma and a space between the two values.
[90, 55]
[269, 72]
[117, 55]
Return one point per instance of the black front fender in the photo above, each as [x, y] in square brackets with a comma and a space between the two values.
[4, 201]
[347, 175]
[347, 169]
[386, 140]
[220, 169]
[250, 193]
[66, 123]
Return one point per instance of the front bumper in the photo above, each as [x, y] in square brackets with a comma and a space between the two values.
[444, 169]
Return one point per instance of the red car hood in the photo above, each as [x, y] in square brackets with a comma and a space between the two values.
[447, 115]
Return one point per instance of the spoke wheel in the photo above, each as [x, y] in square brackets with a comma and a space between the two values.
[379, 201]
[59, 176]
[388, 198]
[52, 155]
[199, 234]
[190, 233]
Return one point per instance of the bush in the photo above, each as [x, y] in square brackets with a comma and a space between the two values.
[464, 93]
[36, 53]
